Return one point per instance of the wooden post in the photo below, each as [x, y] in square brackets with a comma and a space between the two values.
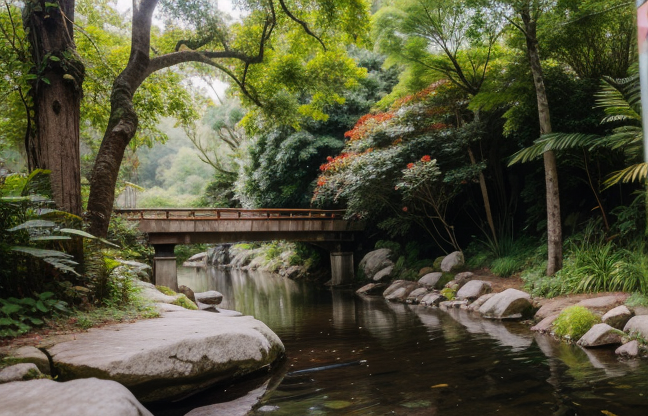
[165, 272]
[341, 268]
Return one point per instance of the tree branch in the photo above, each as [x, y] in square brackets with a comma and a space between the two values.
[301, 22]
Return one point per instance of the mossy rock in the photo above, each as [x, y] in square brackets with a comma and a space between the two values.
[574, 321]
[166, 290]
[425, 270]
[185, 302]
[437, 263]
[445, 278]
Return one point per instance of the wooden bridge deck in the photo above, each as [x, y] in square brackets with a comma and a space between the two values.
[220, 225]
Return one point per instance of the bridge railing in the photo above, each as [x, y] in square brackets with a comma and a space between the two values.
[211, 214]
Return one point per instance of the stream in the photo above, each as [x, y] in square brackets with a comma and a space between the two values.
[409, 360]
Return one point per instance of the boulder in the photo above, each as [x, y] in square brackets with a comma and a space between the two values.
[375, 261]
[401, 294]
[617, 317]
[603, 304]
[480, 301]
[219, 255]
[554, 307]
[74, 398]
[474, 289]
[396, 284]
[509, 304]
[293, 272]
[371, 289]
[185, 290]
[200, 257]
[452, 261]
[150, 292]
[630, 350]
[437, 263]
[600, 334]
[211, 297]
[546, 324]
[19, 372]
[33, 355]
[432, 299]
[416, 295]
[430, 280]
[425, 270]
[384, 274]
[462, 278]
[637, 324]
[171, 356]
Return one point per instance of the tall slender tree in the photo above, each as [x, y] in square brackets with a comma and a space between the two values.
[52, 142]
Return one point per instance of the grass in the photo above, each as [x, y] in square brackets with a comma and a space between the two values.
[637, 299]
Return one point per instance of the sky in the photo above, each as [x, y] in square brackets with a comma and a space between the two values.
[219, 86]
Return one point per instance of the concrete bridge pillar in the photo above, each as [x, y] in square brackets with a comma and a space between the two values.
[342, 268]
[165, 272]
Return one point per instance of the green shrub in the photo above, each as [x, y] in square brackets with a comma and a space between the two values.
[637, 299]
[18, 316]
[448, 293]
[574, 321]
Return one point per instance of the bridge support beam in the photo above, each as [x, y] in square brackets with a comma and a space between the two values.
[341, 268]
[165, 272]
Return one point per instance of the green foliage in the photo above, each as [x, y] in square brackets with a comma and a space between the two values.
[637, 299]
[391, 245]
[183, 251]
[448, 293]
[131, 240]
[185, 302]
[574, 321]
[18, 316]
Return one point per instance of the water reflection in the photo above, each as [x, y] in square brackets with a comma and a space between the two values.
[419, 360]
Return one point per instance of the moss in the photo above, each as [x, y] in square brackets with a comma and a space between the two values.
[445, 278]
[166, 290]
[437, 263]
[425, 270]
[574, 322]
[448, 293]
[185, 302]
[35, 375]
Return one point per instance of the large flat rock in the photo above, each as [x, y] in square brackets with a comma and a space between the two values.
[164, 358]
[73, 398]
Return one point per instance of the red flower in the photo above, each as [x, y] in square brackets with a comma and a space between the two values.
[329, 158]
[410, 165]
[426, 158]
[404, 209]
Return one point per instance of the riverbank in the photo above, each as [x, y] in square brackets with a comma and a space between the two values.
[176, 353]
[590, 320]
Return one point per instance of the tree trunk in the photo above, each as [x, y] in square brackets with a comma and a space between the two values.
[54, 144]
[484, 191]
[554, 227]
[122, 125]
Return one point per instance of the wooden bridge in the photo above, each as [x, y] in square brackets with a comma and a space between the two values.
[168, 227]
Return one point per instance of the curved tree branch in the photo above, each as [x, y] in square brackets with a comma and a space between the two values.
[301, 22]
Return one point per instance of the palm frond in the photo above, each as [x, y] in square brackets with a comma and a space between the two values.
[554, 141]
[630, 174]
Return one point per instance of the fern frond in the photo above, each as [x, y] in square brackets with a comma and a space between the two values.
[630, 174]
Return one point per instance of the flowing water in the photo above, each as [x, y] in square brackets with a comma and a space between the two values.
[410, 360]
